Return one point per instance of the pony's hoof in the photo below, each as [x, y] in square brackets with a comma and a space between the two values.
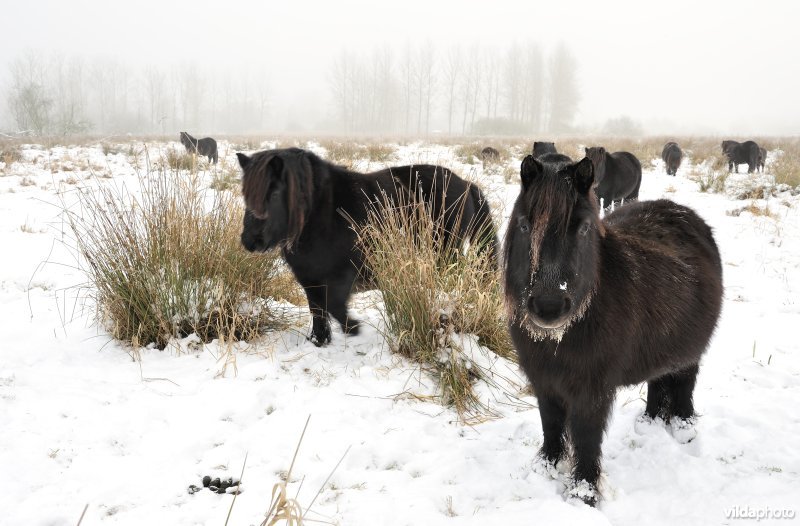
[585, 492]
[647, 425]
[683, 430]
[320, 341]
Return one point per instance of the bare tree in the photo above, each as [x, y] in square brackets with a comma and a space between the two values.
[452, 73]
[534, 87]
[29, 102]
[563, 89]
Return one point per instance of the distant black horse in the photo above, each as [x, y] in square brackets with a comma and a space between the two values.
[598, 304]
[762, 158]
[540, 148]
[207, 146]
[490, 154]
[307, 206]
[618, 175]
[672, 155]
[741, 153]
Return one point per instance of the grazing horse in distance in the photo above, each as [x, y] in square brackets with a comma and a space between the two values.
[206, 146]
[307, 207]
[618, 175]
[490, 154]
[741, 153]
[541, 148]
[595, 304]
[672, 155]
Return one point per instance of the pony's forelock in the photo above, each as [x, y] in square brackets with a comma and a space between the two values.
[298, 177]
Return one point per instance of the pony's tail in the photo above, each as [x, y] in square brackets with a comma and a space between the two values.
[483, 231]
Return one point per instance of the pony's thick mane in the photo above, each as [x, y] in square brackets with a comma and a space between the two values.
[295, 169]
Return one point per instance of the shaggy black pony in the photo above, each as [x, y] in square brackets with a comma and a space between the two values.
[598, 304]
[741, 153]
[672, 155]
[618, 175]
[206, 146]
[307, 207]
[490, 154]
[540, 148]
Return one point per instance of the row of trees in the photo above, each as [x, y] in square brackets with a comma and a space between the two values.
[54, 94]
[414, 90]
[472, 89]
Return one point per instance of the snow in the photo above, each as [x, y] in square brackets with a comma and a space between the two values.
[82, 421]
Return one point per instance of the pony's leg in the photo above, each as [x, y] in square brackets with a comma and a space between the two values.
[587, 422]
[338, 294]
[320, 326]
[681, 392]
[553, 417]
[658, 391]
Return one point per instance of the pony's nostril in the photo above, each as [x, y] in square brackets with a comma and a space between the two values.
[549, 307]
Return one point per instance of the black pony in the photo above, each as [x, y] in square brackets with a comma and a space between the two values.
[490, 154]
[762, 158]
[672, 155]
[307, 206]
[540, 148]
[741, 153]
[598, 304]
[618, 175]
[206, 146]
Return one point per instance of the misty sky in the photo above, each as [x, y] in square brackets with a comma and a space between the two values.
[683, 67]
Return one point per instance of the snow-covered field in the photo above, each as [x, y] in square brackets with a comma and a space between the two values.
[82, 422]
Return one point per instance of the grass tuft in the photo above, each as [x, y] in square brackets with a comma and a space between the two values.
[176, 160]
[166, 262]
[432, 296]
[786, 166]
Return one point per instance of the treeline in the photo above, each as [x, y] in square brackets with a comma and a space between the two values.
[461, 89]
[416, 89]
[58, 95]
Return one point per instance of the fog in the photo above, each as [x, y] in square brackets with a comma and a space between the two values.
[678, 68]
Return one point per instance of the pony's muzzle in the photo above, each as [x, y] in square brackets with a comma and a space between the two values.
[549, 310]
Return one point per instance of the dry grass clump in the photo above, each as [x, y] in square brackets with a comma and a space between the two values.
[712, 181]
[754, 209]
[786, 166]
[349, 152]
[227, 177]
[177, 160]
[380, 153]
[10, 154]
[166, 262]
[433, 292]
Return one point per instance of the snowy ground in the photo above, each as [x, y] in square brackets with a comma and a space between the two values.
[81, 422]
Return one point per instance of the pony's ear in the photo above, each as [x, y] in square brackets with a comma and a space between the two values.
[585, 151]
[583, 176]
[244, 160]
[529, 170]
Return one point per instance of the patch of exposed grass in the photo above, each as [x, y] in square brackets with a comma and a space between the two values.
[166, 262]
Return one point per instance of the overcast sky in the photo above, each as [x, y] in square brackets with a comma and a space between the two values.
[689, 66]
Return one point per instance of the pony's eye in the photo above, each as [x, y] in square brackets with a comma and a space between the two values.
[584, 228]
[524, 227]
